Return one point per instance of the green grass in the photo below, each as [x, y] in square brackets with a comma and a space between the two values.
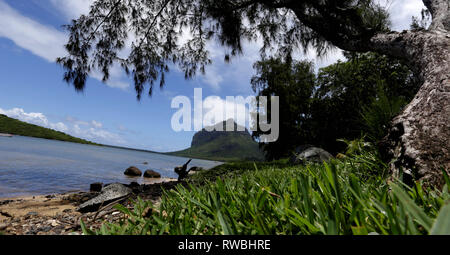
[17, 127]
[337, 198]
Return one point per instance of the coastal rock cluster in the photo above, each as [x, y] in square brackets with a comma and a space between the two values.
[136, 172]
[60, 214]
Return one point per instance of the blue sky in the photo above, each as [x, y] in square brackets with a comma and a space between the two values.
[31, 86]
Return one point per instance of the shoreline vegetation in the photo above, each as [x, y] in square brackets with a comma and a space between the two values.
[347, 196]
[17, 127]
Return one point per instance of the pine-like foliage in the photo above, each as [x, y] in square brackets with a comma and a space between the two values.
[155, 31]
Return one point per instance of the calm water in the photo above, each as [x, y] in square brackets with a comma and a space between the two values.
[32, 166]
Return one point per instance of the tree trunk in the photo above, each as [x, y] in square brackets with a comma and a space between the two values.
[418, 144]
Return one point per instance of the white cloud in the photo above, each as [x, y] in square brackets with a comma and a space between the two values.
[402, 12]
[116, 77]
[217, 107]
[46, 41]
[213, 78]
[36, 118]
[72, 8]
[239, 72]
[76, 121]
[236, 74]
[96, 124]
[96, 134]
[59, 126]
[91, 130]
[32, 117]
[43, 41]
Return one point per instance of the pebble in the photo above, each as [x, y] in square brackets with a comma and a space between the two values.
[53, 223]
[45, 229]
[3, 226]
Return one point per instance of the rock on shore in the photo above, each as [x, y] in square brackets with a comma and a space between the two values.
[109, 194]
[151, 174]
[133, 171]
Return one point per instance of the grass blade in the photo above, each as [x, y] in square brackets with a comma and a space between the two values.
[441, 225]
[415, 211]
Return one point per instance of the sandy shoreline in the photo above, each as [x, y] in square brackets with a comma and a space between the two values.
[33, 215]
[57, 214]
[45, 205]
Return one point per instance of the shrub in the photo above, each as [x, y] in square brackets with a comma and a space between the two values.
[378, 115]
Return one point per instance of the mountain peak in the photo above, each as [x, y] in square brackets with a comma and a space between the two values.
[223, 145]
[222, 126]
[204, 136]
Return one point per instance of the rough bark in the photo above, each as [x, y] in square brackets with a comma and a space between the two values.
[418, 144]
[440, 10]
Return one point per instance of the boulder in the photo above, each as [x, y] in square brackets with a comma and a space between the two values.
[152, 174]
[96, 187]
[109, 194]
[304, 154]
[133, 171]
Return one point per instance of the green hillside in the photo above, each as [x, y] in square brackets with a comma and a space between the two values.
[17, 127]
[222, 146]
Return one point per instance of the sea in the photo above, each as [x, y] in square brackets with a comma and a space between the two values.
[34, 166]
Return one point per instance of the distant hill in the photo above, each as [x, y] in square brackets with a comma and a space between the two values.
[222, 146]
[17, 127]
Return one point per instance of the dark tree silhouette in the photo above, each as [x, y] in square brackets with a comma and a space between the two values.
[419, 140]
[363, 93]
[293, 82]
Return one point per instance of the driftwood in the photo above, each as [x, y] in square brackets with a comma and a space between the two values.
[182, 170]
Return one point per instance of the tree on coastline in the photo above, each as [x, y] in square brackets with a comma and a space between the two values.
[293, 82]
[345, 99]
[417, 143]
